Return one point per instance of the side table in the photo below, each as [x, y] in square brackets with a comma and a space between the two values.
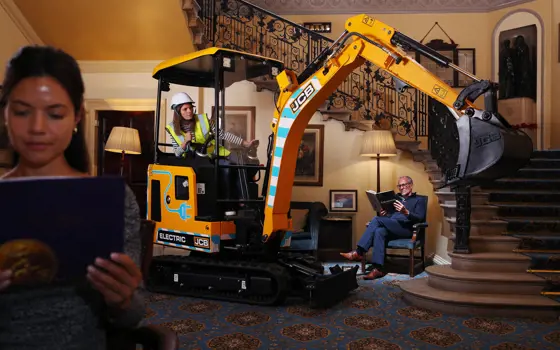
[335, 236]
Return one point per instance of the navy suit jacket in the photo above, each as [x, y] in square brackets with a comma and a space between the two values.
[401, 224]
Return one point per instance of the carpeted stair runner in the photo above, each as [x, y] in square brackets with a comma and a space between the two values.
[529, 202]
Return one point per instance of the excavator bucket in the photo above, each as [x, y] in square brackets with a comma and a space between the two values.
[471, 151]
[328, 290]
[310, 281]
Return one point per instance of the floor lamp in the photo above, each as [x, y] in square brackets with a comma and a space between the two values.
[377, 144]
[123, 140]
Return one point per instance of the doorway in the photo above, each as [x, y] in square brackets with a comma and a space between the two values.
[135, 166]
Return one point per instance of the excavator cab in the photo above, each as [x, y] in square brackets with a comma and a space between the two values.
[227, 255]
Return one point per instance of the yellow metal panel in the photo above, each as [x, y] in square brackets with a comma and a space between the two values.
[178, 216]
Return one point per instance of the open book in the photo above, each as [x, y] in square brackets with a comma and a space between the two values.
[383, 200]
[53, 228]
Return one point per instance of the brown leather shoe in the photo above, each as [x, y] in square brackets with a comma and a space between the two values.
[352, 256]
[374, 274]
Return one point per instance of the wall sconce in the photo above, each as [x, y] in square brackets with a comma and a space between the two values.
[318, 27]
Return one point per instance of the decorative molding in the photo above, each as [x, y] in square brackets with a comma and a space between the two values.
[118, 66]
[438, 260]
[19, 20]
[314, 7]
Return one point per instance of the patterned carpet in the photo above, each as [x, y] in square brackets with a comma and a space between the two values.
[373, 317]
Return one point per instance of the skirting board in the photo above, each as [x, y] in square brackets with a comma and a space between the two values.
[438, 260]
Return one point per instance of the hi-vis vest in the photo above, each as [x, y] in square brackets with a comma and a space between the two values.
[201, 132]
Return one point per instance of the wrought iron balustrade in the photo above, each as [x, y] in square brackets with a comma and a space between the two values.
[369, 92]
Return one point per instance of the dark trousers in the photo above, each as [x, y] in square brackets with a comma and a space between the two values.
[231, 185]
[377, 234]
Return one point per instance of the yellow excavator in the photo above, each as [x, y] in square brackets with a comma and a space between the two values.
[246, 257]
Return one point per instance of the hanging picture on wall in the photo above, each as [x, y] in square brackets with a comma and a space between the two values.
[309, 163]
[240, 121]
[343, 201]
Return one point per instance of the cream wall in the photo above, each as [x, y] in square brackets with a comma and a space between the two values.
[343, 167]
[14, 33]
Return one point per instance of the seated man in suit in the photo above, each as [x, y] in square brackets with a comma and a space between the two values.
[387, 227]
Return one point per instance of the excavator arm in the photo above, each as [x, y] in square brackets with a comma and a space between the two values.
[485, 138]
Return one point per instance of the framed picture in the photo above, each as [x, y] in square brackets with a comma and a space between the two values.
[240, 121]
[309, 163]
[343, 200]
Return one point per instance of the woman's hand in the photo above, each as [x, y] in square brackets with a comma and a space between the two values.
[118, 282]
[5, 279]
[188, 138]
[400, 207]
[382, 212]
[248, 144]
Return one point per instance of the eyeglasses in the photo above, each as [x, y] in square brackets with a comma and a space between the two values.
[403, 185]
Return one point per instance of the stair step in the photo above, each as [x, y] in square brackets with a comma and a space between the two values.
[419, 293]
[544, 163]
[490, 261]
[444, 277]
[491, 243]
[523, 196]
[522, 183]
[481, 227]
[549, 153]
[513, 209]
[541, 173]
[532, 224]
[446, 195]
[478, 211]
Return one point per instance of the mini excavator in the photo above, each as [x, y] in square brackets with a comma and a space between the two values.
[246, 258]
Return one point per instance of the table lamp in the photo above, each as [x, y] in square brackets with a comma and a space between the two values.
[123, 140]
[377, 144]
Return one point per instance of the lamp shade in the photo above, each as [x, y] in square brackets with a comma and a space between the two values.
[378, 143]
[123, 139]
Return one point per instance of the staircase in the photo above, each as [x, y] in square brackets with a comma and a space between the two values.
[514, 266]
[367, 98]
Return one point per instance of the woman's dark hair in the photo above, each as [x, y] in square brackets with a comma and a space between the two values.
[46, 61]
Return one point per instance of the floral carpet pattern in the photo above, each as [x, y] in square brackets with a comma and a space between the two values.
[373, 317]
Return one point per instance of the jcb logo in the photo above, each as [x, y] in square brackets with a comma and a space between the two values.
[201, 242]
[302, 97]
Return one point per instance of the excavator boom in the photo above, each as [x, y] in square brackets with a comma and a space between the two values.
[488, 147]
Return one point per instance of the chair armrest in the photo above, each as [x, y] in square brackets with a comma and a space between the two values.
[152, 337]
[416, 228]
[419, 226]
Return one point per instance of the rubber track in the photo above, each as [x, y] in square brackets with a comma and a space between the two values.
[278, 274]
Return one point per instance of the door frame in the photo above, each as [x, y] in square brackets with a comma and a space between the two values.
[92, 106]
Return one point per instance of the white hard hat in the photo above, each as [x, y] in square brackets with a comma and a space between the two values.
[179, 99]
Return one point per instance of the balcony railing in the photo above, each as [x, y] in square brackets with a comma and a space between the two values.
[369, 92]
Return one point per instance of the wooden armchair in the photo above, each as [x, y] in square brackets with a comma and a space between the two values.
[411, 244]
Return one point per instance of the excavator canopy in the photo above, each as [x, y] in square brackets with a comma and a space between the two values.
[199, 68]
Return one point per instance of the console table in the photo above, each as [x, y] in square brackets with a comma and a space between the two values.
[335, 236]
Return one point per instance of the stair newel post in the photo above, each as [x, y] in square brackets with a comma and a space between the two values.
[463, 219]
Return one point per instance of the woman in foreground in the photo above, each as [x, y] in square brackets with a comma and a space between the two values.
[43, 102]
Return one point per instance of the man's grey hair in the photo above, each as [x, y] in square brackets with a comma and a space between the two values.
[408, 179]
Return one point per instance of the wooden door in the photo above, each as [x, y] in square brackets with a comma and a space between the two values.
[135, 166]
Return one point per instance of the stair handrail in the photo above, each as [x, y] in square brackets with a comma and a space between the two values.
[406, 117]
